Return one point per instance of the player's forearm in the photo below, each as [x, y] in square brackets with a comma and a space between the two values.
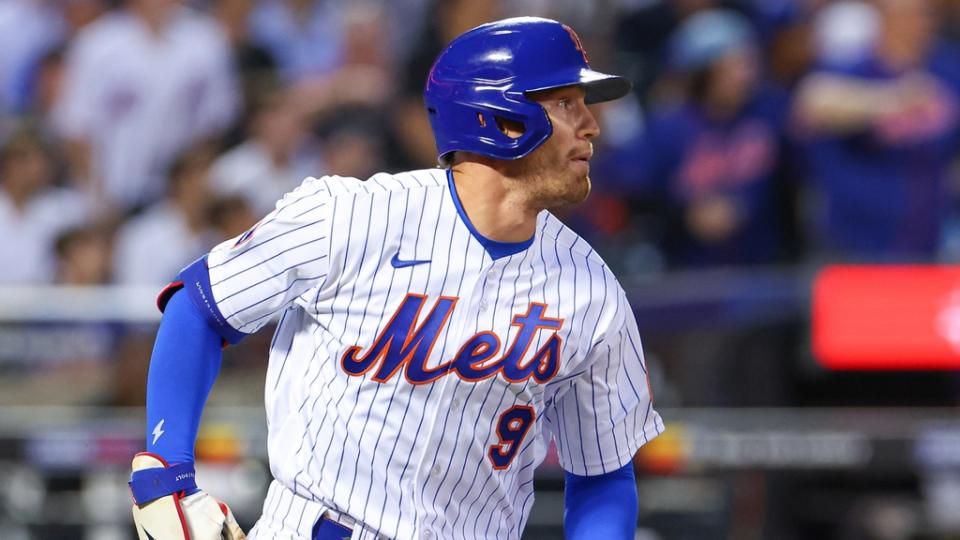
[185, 362]
[603, 506]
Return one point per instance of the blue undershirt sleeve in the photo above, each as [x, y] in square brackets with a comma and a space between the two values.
[602, 506]
[185, 362]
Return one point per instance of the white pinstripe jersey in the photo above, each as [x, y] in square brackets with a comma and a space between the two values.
[419, 370]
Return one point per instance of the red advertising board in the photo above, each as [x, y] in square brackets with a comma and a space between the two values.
[887, 317]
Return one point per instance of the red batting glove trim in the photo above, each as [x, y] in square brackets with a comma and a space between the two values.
[179, 495]
[166, 293]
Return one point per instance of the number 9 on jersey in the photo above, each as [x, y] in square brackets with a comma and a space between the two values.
[512, 427]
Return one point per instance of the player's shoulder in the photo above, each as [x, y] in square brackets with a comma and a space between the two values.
[565, 240]
[407, 180]
[603, 296]
[339, 187]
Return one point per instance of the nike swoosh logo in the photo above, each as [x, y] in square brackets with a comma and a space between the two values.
[397, 263]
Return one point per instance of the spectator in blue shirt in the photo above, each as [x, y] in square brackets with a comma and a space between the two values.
[712, 158]
[881, 132]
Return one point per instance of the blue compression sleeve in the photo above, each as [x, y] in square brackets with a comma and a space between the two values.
[185, 363]
[603, 506]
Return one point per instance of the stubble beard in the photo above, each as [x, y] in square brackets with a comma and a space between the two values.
[548, 180]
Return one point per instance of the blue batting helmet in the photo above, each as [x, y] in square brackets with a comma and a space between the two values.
[485, 74]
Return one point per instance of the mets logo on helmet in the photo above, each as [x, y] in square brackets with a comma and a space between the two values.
[576, 42]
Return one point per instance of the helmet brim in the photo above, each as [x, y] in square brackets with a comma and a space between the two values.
[599, 87]
[602, 87]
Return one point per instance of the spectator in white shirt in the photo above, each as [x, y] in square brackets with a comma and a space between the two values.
[152, 247]
[276, 157]
[28, 28]
[32, 210]
[38, 83]
[83, 256]
[142, 84]
[304, 36]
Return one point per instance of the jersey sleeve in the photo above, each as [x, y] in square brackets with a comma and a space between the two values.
[601, 417]
[245, 280]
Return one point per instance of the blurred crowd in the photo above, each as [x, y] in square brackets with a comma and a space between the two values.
[135, 134]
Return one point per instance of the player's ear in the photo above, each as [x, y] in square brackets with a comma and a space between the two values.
[510, 128]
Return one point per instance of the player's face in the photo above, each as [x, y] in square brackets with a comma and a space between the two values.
[558, 172]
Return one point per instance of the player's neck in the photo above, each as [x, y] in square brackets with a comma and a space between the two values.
[495, 210]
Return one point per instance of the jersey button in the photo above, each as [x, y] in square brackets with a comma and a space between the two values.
[455, 403]
[483, 305]
[436, 470]
[492, 274]
[428, 534]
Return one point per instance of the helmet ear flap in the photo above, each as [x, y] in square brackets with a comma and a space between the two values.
[491, 126]
[505, 129]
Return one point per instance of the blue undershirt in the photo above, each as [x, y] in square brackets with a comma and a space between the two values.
[185, 363]
[603, 506]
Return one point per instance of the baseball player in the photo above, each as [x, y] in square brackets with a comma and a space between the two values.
[437, 328]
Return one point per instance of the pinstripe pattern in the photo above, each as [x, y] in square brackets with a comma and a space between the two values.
[406, 459]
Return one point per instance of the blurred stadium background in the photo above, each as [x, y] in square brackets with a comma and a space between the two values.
[779, 196]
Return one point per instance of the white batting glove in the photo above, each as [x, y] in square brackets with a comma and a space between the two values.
[162, 510]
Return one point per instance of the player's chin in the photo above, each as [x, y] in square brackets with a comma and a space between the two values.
[581, 189]
[575, 191]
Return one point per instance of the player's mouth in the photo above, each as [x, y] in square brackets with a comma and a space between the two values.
[582, 159]
[583, 156]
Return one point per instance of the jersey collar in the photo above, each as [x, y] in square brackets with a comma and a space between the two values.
[494, 248]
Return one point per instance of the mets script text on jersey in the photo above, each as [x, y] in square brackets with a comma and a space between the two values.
[400, 345]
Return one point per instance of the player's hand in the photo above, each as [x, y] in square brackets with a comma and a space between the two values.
[162, 510]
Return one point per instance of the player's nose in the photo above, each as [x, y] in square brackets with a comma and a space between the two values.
[589, 128]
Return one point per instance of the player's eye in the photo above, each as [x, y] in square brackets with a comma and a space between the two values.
[563, 103]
